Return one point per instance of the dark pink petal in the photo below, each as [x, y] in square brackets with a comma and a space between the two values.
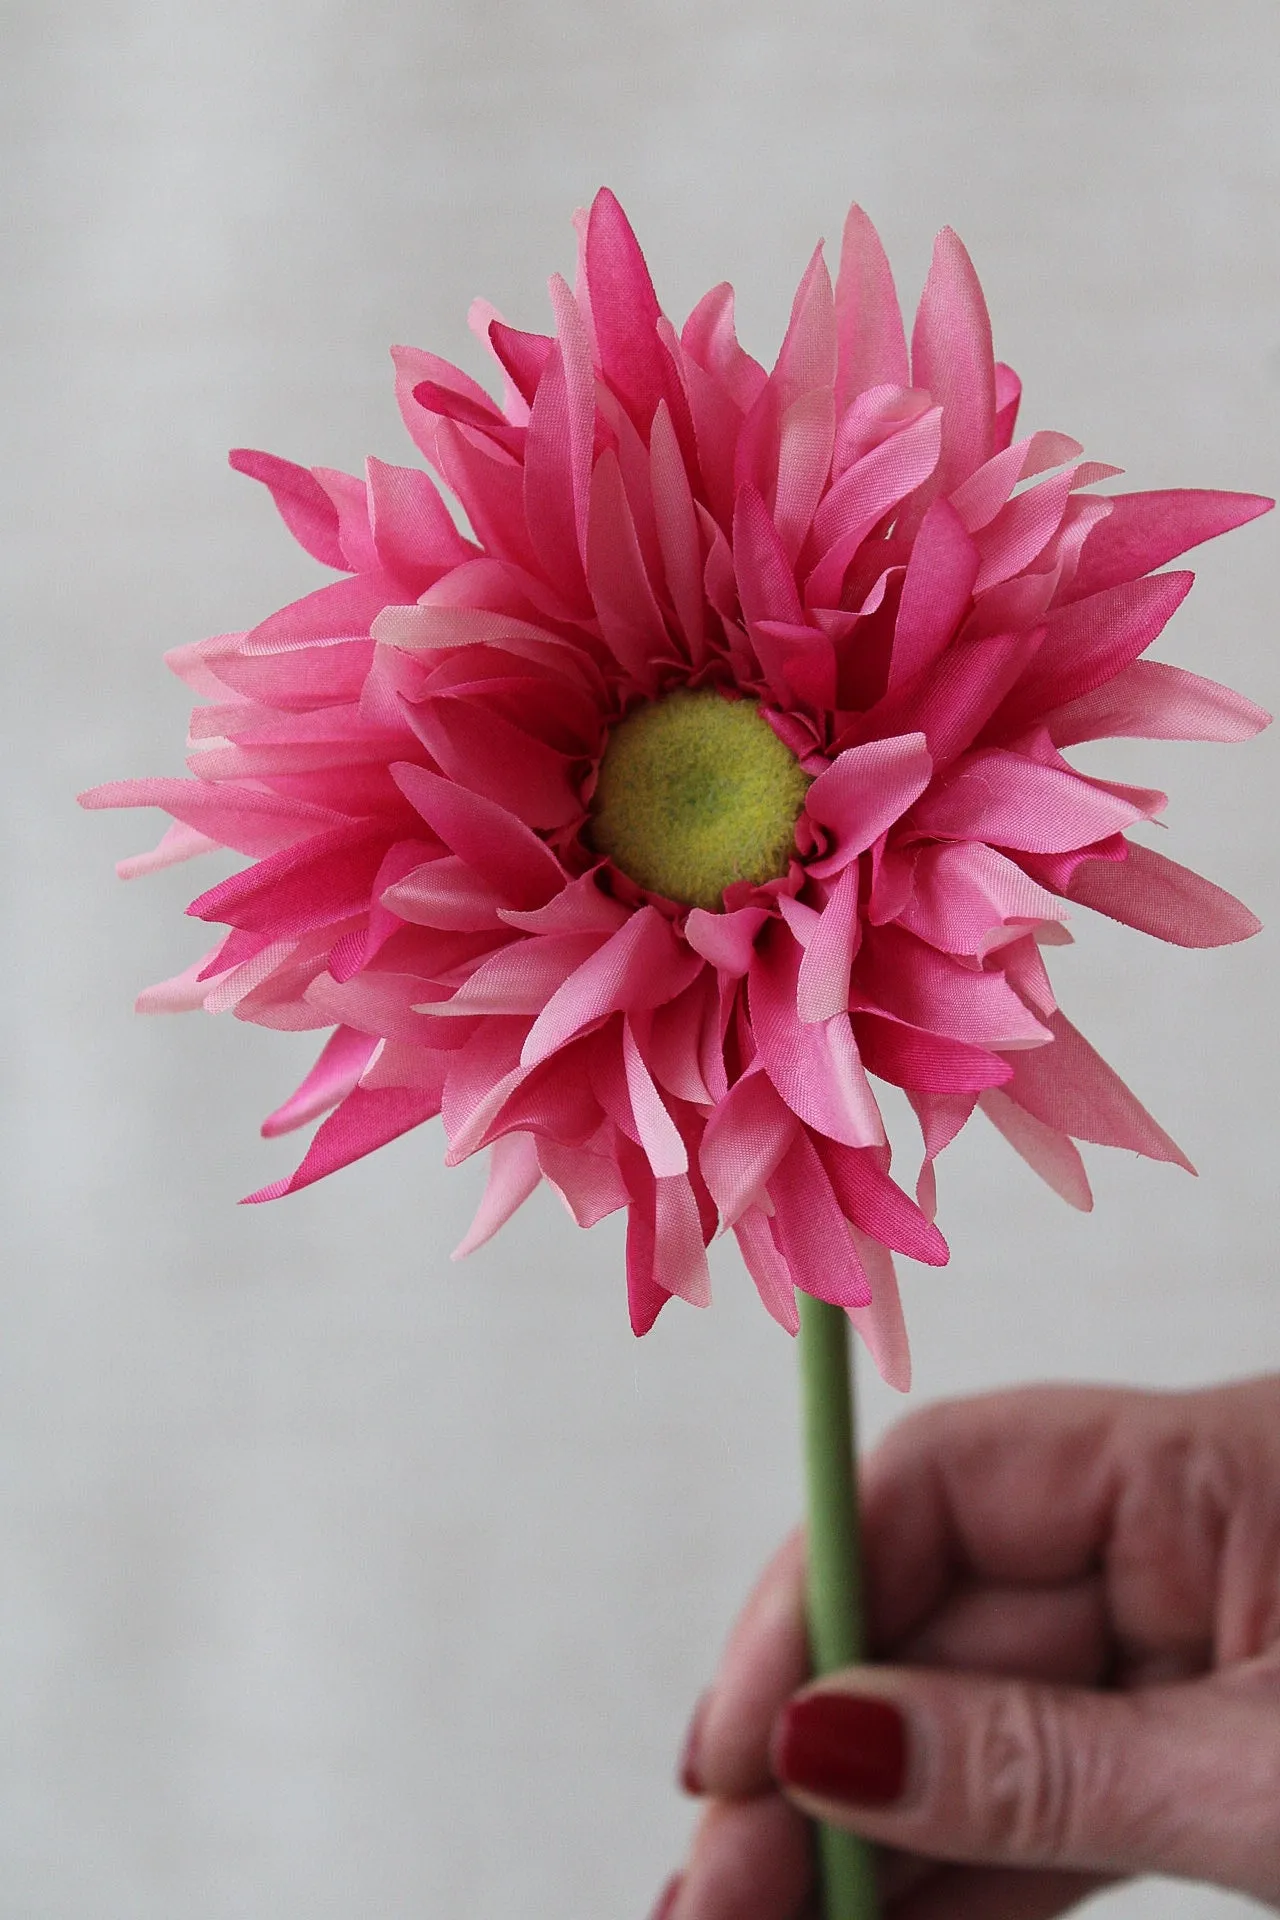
[743, 1144]
[513, 1174]
[1144, 530]
[624, 310]
[811, 1231]
[1053, 1155]
[1010, 801]
[350, 497]
[951, 355]
[415, 368]
[549, 503]
[873, 1202]
[872, 346]
[1072, 1089]
[967, 686]
[413, 530]
[677, 525]
[364, 1121]
[310, 885]
[941, 1117]
[1152, 701]
[356, 950]
[345, 1057]
[301, 502]
[1089, 642]
[936, 592]
[863, 792]
[523, 355]
[500, 848]
[630, 618]
[475, 747]
[880, 1324]
[925, 1062]
[766, 583]
[1159, 897]
[646, 1295]
[815, 1068]
[641, 965]
[760, 1256]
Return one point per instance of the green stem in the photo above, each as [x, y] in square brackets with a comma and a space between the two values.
[834, 1566]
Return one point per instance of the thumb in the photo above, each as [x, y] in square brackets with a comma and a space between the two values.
[1178, 1779]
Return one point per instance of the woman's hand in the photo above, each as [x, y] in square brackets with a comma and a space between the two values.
[1076, 1595]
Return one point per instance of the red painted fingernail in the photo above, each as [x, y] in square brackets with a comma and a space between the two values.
[843, 1746]
[689, 1771]
[667, 1898]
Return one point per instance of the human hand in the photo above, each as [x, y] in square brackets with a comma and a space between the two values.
[1077, 1592]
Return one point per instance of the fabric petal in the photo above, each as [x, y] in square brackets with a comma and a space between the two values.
[514, 1172]
[1053, 1155]
[1157, 896]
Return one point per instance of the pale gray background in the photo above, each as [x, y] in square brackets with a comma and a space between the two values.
[337, 1581]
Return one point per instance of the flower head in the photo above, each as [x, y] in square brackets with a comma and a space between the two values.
[718, 774]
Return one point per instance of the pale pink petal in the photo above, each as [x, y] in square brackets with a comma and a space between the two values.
[727, 940]
[679, 1253]
[246, 821]
[984, 493]
[445, 893]
[745, 1139]
[880, 1324]
[639, 966]
[822, 989]
[863, 792]
[1153, 701]
[767, 1268]
[1053, 1155]
[659, 1136]
[520, 978]
[913, 982]
[1010, 801]
[177, 843]
[413, 530]
[513, 1174]
[862, 496]
[969, 899]
[587, 1181]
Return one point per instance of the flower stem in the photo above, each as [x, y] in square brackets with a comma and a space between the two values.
[836, 1634]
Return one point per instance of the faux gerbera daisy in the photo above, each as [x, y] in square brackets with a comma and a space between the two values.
[717, 775]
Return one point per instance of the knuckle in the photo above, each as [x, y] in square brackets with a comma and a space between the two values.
[1029, 1775]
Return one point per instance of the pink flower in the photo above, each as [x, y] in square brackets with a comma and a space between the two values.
[719, 774]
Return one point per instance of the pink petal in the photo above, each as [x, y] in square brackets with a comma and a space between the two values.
[301, 501]
[240, 818]
[815, 1068]
[744, 1142]
[863, 792]
[639, 966]
[862, 496]
[766, 583]
[549, 482]
[880, 1324]
[1152, 701]
[936, 592]
[913, 982]
[1144, 530]
[337, 612]
[872, 344]
[1072, 1089]
[177, 843]
[1010, 801]
[588, 1182]
[522, 977]
[476, 747]
[445, 893]
[413, 530]
[677, 523]
[630, 618]
[320, 880]
[873, 1202]
[343, 1060]
[659, 1136]
[969, 899]
[822, 989]
[767, 1268]
[1089, 642]
[679, 1253]
[502, 849]
[513, 1174]
[812, 1235]
[925, 1062]
[1051, 1154]
[951, 355]
[579, 907]
[727, 940]
[624, 310]
[967, 686]
[364, 1121]
[983, 494]
[1159, 897]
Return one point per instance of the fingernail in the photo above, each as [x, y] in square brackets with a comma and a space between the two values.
[690, 1772]
[667, 1898]
[843, 1746]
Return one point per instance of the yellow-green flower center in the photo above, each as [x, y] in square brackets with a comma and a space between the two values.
[695, 792]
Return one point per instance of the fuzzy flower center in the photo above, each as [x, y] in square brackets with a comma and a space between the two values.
[695, 792]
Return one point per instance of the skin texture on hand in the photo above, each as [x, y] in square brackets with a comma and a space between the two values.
[1076, 1595]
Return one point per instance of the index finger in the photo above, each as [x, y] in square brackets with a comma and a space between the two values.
[1011, 1490]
